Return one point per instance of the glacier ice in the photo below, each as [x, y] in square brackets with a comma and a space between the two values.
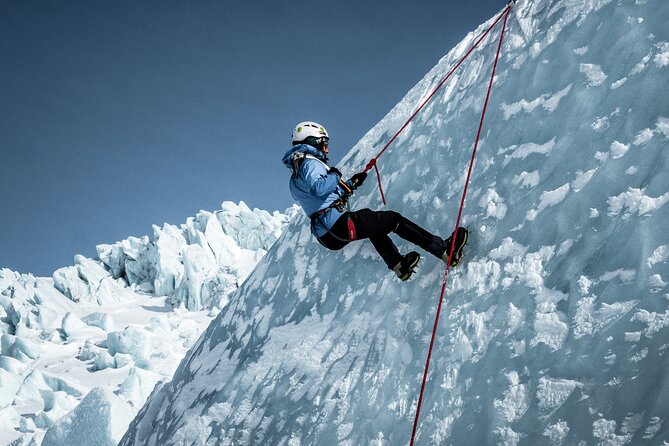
[100, 419]
[120, 323]
[533, 346]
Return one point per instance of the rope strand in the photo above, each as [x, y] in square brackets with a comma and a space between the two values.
[372, 162]
[457, 225]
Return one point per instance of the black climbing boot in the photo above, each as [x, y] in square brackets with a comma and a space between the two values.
[405, 268]
[461, 235]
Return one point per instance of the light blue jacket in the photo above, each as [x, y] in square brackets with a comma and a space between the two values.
[314, 188]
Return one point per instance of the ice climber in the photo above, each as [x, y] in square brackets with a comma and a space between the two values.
[323, 195]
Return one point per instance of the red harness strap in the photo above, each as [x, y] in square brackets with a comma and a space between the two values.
[351, 230]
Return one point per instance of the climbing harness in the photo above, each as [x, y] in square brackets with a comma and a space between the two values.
[373, 163]
[316, 218]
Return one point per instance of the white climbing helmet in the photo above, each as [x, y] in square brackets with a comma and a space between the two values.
[305, 129]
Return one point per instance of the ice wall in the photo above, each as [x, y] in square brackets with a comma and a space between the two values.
[555, 330]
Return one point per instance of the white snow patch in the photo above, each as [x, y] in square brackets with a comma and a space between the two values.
[507, 436]
[557, 433]
[514, 319]
[632, 170]
[654, 321]
[635, 201]
[527, 179]
[600, 124]
[549, 198]
[552, 393]
[661, 59]
[656, 281]
[593, 73]
[582, 178]
[588, 320]
[639, 67]
[643, 137]
[658, 256]
[618, 149]
[551, 329]
[605, 430]
[548, 102]
[625, 275]
[662, 127]
[524, 150]
[619, 83]
[584, 284]
[493, 204]
[581, 51]
[633, 336]
[516, 399]
[654, 426]
[508, 249]
[640, 356]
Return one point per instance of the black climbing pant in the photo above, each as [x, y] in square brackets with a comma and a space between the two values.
[376, 225]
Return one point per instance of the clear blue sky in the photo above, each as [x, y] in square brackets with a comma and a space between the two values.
[115, 115]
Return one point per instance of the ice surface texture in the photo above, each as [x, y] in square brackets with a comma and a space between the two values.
[555, 330]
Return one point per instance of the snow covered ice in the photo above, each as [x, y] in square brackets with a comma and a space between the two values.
[82, 351]
[555, 329]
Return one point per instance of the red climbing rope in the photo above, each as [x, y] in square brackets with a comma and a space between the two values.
[372, 163]
[462, 204]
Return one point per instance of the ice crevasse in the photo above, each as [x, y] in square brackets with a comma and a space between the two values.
[555, 329]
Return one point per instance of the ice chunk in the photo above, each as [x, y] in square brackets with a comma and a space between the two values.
[133, 341]
[103, 360]
[100, 320]
[19, 348]
[100, 419]
[137, 387]
[9, 385]
[113, 257]
[71, 323]
[9, 419]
